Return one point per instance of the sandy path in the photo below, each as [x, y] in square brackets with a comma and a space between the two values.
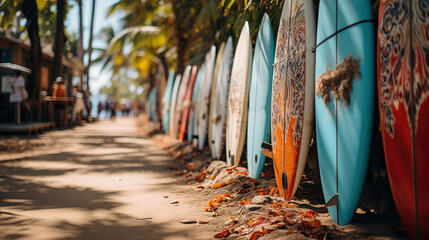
[96, 182]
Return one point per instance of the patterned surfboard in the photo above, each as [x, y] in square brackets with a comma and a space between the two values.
[403, 88]
[293, 94]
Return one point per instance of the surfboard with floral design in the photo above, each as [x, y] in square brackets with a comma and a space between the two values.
[293, 94]
[403, 88]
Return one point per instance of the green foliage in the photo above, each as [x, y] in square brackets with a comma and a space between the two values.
[47, 19]
[122, 86]
[188, 28]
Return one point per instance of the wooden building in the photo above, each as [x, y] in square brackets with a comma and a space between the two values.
[17, 51]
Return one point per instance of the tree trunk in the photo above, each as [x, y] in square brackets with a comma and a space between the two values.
[181, 43]
[59, 40]
[29, 9]
[80, 51]
[164, 66]
[91, 34]
[160, 85]
[179, 37]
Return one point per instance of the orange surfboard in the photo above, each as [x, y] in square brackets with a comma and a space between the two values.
[187, 104]
[292, 110]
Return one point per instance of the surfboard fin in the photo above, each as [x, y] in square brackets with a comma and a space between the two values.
[284, 181]
[267, 149]
[333, 201]
[266, 145]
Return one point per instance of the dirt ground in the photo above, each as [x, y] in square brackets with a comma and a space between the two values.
[113, 180]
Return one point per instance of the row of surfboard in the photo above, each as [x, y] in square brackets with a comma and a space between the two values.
[331, 75]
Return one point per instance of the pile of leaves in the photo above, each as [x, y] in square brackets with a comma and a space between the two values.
[277, 215]
[213, 205]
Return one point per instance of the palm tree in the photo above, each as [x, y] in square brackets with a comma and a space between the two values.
[91, 34]
[59, 39]
[80, 50]
[29, 9]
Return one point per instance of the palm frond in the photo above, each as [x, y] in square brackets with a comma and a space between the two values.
[140, 32]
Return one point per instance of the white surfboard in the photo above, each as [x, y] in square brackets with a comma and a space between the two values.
[219, 102]
[239, 97]
[213, 90]
[204, 99]
[198, 104]
[172, 124]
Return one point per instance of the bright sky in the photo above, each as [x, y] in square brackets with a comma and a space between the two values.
[97, 79]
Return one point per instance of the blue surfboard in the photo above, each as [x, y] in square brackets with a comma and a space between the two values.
[344, 126]
[152, 101]
[166, 101]
[191, 118]
[259, 118]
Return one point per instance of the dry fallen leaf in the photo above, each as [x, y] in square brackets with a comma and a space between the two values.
[230, 181]
[256, 221]
[262, 192]
[266, 174]
[289, 205]
[243, 190]
[223, 233]
[255, 235]
[276, 205]
[210, 206]
[201, 177]
[188, 221]
[312, 223]
[218, 185]
[229, 170]
[189, 167]
[244, 202]
[308, 214]
[273, 190]
[251, 179]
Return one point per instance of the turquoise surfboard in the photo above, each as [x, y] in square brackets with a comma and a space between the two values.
[166, 101]
[152, 101]
[259, 123]
[345, 34]
[191, 118]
